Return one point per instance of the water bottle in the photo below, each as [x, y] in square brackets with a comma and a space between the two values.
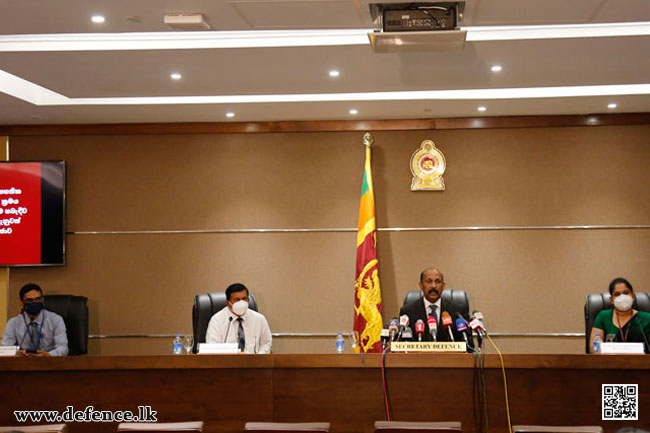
[178, 345]
[597, 341]
[340, 343]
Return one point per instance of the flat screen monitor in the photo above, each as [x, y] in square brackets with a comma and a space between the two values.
[32, 213]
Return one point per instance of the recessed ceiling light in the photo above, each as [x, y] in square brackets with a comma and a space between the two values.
[496, 68]
[176, 76]
[230, 114]
[612, 105]
[97, 19]
[354, 111]
[334, 73]
[482, 108]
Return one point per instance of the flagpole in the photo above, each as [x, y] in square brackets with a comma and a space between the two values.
[367, 305]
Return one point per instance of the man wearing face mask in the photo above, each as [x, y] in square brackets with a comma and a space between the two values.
[236, 323]
[432, 283]
[38, 332]
[621, 323]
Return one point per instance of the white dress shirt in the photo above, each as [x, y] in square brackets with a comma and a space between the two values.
[256, 330]
[53, 338]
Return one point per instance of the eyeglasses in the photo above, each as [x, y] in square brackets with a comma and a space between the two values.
[32, 300]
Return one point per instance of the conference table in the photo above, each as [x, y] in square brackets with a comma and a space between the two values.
[226, 391]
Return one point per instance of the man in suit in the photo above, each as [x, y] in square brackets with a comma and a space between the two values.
[432, 283]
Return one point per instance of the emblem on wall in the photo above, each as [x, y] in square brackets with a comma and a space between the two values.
[427, 166]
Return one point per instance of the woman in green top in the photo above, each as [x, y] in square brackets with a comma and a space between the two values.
[623, 322]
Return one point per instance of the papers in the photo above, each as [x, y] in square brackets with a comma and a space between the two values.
[8, 350]
[218, 348]
[622, 348]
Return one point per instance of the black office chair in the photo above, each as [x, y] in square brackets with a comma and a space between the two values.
[206, 306]
[74, 310]
[596, 302]
[456, 297]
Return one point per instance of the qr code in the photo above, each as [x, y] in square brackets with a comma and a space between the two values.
[620, 402]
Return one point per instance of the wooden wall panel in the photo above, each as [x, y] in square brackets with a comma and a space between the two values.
[523, 280]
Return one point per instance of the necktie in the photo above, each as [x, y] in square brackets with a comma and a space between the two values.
[434, 307]
[34, 332]
[241, 337]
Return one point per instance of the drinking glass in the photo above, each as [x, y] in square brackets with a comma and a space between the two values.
[354, 341]
[188, 343]
[610, 338]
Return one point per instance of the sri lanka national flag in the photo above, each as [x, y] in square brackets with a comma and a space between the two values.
[367, 299]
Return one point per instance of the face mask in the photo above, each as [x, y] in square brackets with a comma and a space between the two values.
[240, 308]
[623, 302]
[34, 308]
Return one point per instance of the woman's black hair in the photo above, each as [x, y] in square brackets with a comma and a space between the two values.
[619, 280]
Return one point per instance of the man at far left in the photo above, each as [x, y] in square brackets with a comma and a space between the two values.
[37, 331]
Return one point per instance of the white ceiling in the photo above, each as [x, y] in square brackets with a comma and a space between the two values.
[291, 70]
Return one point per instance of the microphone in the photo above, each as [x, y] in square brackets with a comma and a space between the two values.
[461, 326]
[433, 327]
[477, 318]
[407, 335]
[227, 329]
[477, 325]
[384, 337]
[445, 318]
[645, 340]
[403, 324]
[393, 328]
[419, 329]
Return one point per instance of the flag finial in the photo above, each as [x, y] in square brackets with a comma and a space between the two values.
[368, 139]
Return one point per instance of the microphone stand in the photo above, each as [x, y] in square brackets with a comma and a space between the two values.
[227, 329]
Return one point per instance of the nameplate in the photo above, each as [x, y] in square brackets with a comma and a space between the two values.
[8, 350]
[218, 348]
[428, 346]
[622, 348]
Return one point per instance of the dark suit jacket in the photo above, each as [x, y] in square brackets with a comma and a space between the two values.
[415, 310]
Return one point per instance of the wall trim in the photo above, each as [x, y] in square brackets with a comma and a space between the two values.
[603, 119]
[354, 229]
[334, 334]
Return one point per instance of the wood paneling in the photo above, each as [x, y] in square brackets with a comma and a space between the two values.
[522, 280]
[332, 125]
[346, 390]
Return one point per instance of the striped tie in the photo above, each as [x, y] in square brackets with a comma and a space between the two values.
[34, 332]
[241, 337]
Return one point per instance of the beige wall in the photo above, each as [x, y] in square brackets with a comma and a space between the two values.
[523, 280]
